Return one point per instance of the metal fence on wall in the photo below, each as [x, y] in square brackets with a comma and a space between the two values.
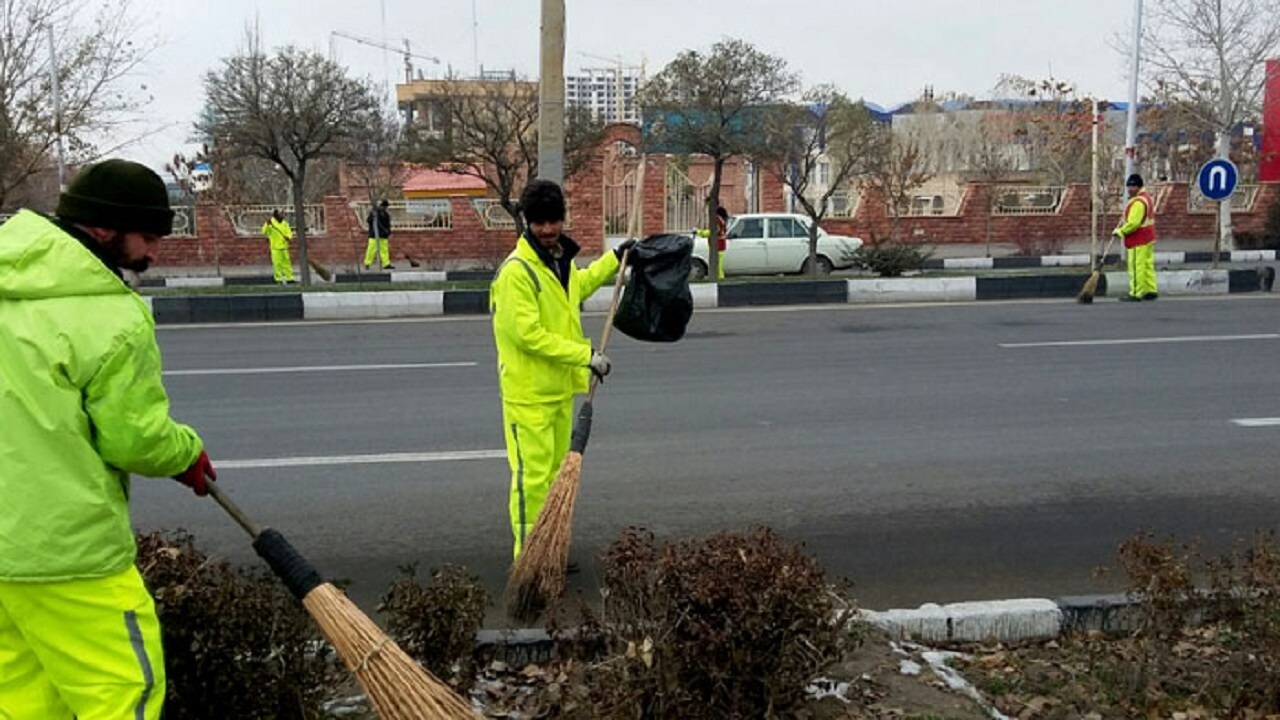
[1028, 200]
[413, 214]
[249, 219]
[1241, 200]
[184, 221]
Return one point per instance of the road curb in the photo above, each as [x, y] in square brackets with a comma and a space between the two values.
[266, 307]
[1005, 621]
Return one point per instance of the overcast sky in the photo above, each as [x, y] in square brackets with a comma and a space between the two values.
[885, 51]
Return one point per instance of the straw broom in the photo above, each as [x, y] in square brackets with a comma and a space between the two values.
[320, 270]
[537, 577]
[398, 687]
[1091, 285]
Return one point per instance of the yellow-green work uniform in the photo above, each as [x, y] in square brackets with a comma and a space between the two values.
[1138, 230]
[278, 235]
[379, 224]
[543, 361]
[83, 407]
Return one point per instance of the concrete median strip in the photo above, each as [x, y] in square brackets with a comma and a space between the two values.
[828, 291]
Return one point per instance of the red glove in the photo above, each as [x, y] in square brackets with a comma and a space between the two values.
[194, 476]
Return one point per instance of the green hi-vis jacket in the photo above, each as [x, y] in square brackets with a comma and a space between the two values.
[81, 407]
[278, 233]
[537, 326]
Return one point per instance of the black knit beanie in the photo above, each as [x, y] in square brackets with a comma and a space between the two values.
[120, 195]
[542, 201]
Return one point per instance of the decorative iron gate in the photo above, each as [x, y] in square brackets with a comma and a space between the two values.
[686, 203]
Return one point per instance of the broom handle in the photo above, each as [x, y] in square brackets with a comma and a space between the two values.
[608, 321]
[233, 510]
[1102, 259]
[633, 229]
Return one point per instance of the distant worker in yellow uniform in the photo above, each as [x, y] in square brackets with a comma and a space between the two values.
[1138, 231]
[379, 222]
[722, 227]
[279, 234]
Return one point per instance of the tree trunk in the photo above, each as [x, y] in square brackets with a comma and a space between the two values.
[1225, 240]
[713, 234]
[300, 218]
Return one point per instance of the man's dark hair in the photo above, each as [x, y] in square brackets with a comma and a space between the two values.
[724, 214]
[542, 201]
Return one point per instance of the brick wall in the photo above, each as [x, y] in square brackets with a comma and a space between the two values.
[468, 244]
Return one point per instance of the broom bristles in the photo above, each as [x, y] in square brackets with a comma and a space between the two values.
[1090, 287]
[537, 577]
[320, 270]
[398, 687]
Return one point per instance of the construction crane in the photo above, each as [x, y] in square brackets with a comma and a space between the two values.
[406, 51]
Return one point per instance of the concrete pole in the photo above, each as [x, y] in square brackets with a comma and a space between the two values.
[1131, 127]
[56, 87]
[1093, 192]
[551, 93]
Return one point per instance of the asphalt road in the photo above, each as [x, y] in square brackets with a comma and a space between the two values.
[926, 453]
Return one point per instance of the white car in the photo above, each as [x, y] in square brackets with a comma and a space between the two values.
[769, 243]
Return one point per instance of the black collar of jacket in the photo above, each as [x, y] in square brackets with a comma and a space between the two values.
[559, 265]
[89, 243]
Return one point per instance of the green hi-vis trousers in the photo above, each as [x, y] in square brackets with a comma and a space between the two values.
[382, 247]
[537, 441]
[88, 649]
[281, 264]
[1141, 261]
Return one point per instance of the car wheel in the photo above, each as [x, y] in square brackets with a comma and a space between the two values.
[824, 266]
[697, 270]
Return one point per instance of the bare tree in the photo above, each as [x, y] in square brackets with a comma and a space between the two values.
[1212, 54]
[992, 158]
[96, 54]
[1056, 129]
[815, 149]
[291, 109]
[897, 167]
[714, 105]
[491, 133]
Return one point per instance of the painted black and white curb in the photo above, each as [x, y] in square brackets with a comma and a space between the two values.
[391, 303]
[1163, 259]
[1044, 261]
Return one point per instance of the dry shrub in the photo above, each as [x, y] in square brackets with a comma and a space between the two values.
[1214, 646]
[436, 623]
[236, 643]
[733, 625]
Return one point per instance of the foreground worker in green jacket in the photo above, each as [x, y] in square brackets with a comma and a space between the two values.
[82, 407]
[543, 357]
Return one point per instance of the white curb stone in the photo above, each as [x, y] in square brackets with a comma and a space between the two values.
[1003, 620]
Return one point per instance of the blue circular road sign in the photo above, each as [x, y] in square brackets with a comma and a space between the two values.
[1217, 179]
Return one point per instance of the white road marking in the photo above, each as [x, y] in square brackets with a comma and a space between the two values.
[317, 368]
[312, 461]
[1145, 341]
[1257, 422]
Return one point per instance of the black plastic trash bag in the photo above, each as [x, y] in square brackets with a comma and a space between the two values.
[657, 304]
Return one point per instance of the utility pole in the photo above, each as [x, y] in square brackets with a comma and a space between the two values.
[1131, 126]
[1093, 191]
[551, 93]
[56, 87]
